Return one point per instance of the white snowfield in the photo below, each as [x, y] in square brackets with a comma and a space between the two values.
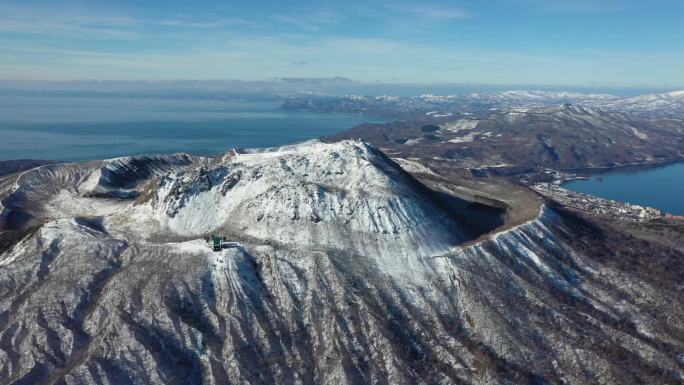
[314, 196]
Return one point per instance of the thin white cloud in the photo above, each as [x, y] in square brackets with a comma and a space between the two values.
[431, 11]
[98, 24]
[43, 27]
[573, 6]
[201, 47]
[295, 21]
[203, 24]
[258, 58]
[311, 20]
[65, 21]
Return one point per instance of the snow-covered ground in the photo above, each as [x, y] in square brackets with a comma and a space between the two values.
[338, 268]
[313, 196]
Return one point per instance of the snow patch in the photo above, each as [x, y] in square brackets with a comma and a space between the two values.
[460, 125]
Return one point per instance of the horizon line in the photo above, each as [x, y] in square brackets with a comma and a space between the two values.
[341, 80]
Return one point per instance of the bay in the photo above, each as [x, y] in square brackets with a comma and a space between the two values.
[660, 187]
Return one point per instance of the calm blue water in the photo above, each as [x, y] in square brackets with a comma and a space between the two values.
[661, 187]
[74, 129]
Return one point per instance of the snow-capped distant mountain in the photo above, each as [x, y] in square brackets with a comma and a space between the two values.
[482, 104]
[669, 104]
[547, 96]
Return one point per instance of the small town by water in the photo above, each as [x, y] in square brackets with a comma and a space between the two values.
[640, 194]
[660, 187]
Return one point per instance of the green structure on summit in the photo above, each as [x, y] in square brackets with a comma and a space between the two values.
[218, 242]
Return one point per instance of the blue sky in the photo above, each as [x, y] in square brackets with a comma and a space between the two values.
[545, 42]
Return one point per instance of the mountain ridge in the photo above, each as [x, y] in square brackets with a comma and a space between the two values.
[519, 140]
[110, 300]
[437, 107]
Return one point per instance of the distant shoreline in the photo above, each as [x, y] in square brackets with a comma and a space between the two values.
[586, 172]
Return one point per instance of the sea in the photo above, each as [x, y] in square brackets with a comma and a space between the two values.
[66, 128]
[660, 187]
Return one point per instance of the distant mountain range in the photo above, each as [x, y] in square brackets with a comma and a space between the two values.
[517, 140]
[431, 106]
[667, 104]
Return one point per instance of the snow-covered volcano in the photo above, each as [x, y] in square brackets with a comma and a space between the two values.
[343, 269]
[344, 195]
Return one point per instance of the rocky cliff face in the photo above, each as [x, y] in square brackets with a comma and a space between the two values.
[340, 268]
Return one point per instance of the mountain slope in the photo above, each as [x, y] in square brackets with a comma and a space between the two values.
[136, 296]
[345, 196]
[670, 104]
[558, 137]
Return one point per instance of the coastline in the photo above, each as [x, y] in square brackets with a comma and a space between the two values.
[586, 172]
[618, 191]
